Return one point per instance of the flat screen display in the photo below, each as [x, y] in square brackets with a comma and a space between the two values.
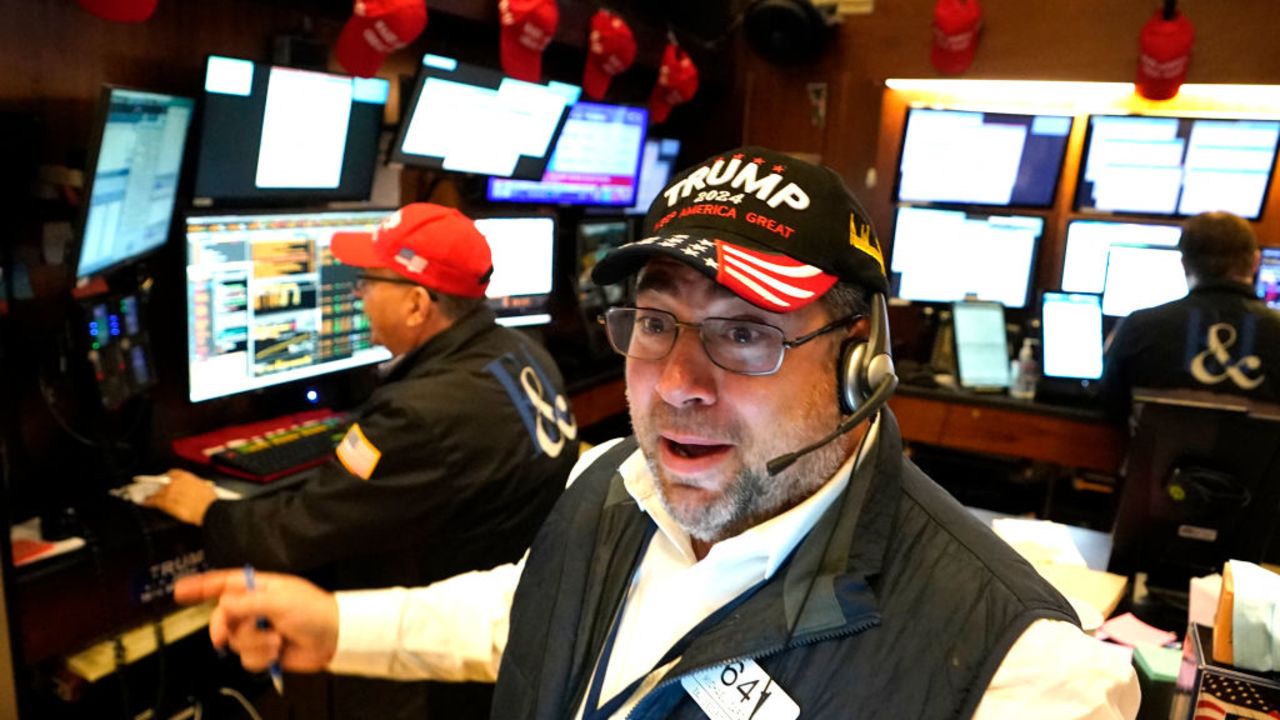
[949, 255]
[982, 345]
[1140, 277]
[133, 181]
[465, 118]
[597, 238]
[657, 165]
[1176, 166]
[595, 162]
[271, 134]
[523, 250]
[1071, 325]
[268, 304]
[1084, 266]
[981, 158]
[1269, 277]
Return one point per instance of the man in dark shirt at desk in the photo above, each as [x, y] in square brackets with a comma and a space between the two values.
[452, 464]
[1219, 338]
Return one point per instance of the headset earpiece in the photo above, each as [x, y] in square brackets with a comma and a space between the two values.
[849, 380]
[864, 364]
[866, 382]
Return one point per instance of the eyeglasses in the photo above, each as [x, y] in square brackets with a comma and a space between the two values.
[740, 346]
[364, 279]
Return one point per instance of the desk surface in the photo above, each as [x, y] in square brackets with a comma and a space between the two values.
[1091, 585]
[1094, 546]
[1083, 412]
[998, 425]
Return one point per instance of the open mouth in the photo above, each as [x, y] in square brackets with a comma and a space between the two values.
[693, 450]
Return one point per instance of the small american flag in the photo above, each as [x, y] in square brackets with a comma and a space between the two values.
[1223, 698]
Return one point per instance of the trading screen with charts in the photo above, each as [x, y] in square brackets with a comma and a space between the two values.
[268, 304]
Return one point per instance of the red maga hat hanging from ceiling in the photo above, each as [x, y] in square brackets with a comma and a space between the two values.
[956, 24]
[1164, 53]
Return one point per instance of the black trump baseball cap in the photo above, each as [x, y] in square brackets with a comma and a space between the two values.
[777, 231]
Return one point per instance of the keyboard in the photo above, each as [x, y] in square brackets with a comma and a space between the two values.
[275, 453]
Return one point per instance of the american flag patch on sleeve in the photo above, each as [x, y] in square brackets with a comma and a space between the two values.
[357, 454]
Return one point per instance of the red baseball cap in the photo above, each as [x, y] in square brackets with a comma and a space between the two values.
[125, 11]
[677, 82]
[611, 49]
[1164, 55]
[527, 28]
[432, 245]
[956, 25]
[376, 29]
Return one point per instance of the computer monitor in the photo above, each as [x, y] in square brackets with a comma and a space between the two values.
[267, 303]
[949, 255]
[657, 165]
[982, 345]
[1071, 326]
[1269, 278]
[1201, 486]
[135, 160]
[272, 134]
[524, 249]
[1084, 265]
[981, 158]
[596, 238]
[595, 162]
[465, 118]
[1176, 166]
[1140, 276]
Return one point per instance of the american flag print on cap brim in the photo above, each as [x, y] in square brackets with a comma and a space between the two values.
[768, 280]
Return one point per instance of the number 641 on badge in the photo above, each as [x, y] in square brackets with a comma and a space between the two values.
[740, 690]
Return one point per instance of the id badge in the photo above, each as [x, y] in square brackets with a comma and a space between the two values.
[741, 690]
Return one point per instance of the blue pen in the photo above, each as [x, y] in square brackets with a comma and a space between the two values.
[277, 677]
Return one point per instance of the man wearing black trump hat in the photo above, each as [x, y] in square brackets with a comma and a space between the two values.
[760, 548]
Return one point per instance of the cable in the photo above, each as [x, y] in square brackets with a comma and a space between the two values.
[47, 394]
[826, 546]
[248, 706]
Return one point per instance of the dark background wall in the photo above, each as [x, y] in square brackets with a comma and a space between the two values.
[1080, 40]
[55, 56]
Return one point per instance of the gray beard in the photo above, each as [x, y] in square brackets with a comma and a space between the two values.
[753, 496]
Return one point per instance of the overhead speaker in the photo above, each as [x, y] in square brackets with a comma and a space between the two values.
[788, 32]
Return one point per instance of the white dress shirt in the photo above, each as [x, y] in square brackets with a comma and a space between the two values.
[455, 630]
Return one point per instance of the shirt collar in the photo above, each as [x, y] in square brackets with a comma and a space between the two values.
[769, 543]
[1225, 285]
[445, 343]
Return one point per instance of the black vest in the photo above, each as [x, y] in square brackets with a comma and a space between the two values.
[897, 604]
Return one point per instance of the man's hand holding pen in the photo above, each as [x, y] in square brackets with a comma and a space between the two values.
[301, 628]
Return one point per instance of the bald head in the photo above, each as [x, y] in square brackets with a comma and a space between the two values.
[1218, 246]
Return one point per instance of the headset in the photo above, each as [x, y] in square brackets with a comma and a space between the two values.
[864, 365]
[865, 381]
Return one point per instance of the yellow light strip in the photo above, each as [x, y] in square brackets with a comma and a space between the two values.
[1088, 97]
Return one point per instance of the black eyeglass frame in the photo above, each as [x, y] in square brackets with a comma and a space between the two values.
[782, 353]
[362, 279]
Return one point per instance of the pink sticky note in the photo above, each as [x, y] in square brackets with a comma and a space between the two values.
[1128, 630]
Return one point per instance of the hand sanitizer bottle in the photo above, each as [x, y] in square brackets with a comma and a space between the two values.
[1024, 381]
